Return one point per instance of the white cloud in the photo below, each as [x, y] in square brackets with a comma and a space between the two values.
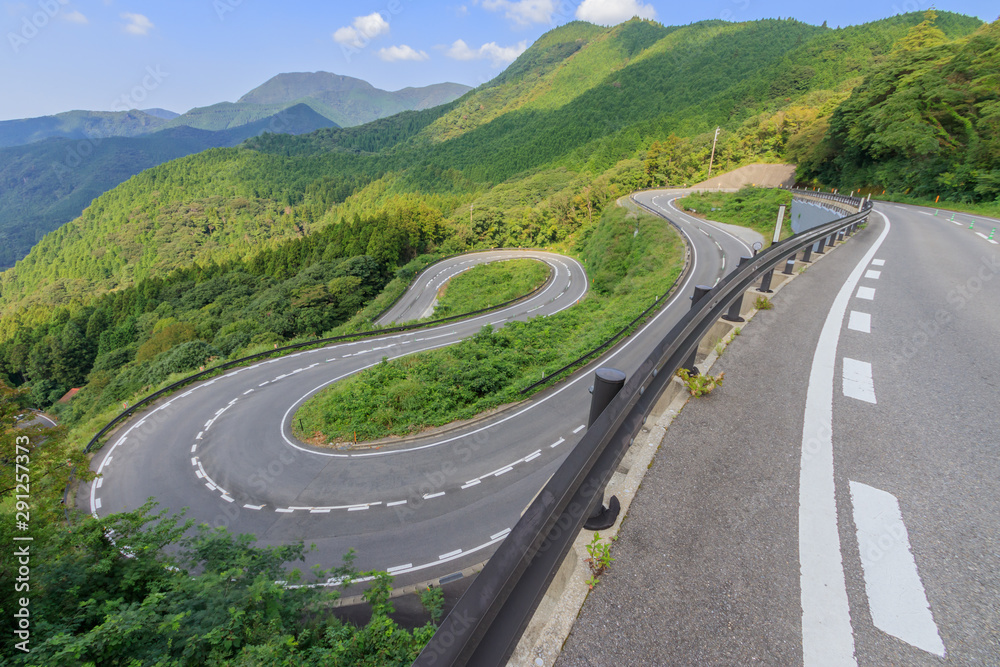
[612, 12]
[75, 17]
[401, 52]
[362, 30]
[524, 12]
[137, 24]
[496, 54]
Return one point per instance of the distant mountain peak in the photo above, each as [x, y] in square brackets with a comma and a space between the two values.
[165, 114]
[346, 100]
[291, 86]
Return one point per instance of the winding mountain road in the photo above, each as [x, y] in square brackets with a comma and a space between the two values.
[422, 509]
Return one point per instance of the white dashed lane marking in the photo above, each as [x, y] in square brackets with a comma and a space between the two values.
[896, 596]
[860, 322]
[867, 293]
[858, 382]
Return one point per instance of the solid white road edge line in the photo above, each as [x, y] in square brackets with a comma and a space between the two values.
[896, 596]
[827, 635]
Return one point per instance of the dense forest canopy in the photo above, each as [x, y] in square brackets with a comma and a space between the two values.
[926, 120]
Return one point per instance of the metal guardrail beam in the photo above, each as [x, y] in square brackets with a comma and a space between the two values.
[487, 622]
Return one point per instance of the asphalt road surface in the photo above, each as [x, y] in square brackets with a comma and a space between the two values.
[422, 509]
[836, 502]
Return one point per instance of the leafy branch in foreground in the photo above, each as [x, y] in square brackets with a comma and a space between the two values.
[143, 588]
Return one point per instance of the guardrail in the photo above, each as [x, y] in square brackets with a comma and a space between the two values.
[485, 625]
[853, 202]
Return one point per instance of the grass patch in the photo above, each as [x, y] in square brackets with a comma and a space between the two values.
[488, 285]
[628, 271]
[756, 208]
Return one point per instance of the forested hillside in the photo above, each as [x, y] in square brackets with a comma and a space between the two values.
[270, 235]
[925, 121]
[81, 125]
[46, 184]
[71, 158]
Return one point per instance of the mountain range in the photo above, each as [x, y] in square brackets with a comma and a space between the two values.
[52, 167]
[343, 100]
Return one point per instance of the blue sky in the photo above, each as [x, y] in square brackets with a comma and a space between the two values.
[59, 55]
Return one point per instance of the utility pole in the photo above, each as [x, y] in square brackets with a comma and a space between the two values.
[712, 159]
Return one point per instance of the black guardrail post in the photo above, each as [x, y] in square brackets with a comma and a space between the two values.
[789, 266]
[607, 383]
[807, 255]
[765, 282]
[733, 314]
[699, 293]
[820, 246]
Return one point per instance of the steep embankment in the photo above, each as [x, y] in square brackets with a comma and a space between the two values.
[759, 175]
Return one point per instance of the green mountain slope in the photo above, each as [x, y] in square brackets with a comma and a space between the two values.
[585, 113]
[925, 122]
[47, 184]
[81, 125]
